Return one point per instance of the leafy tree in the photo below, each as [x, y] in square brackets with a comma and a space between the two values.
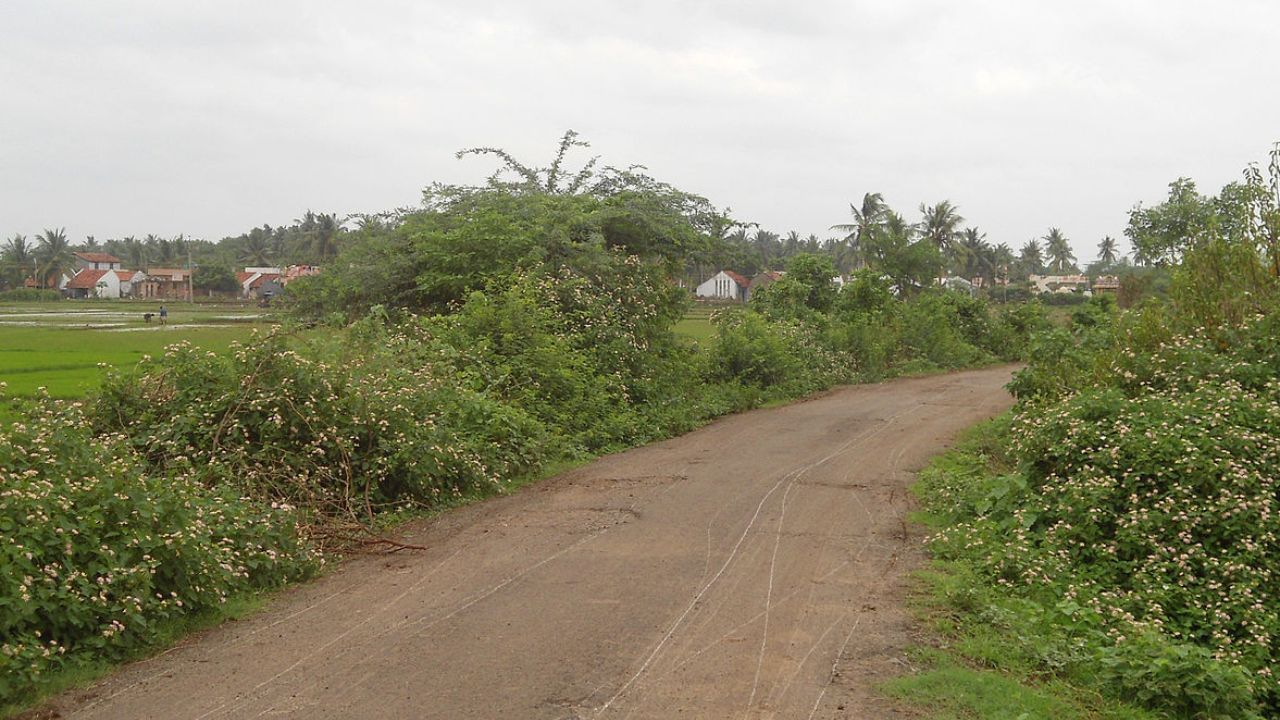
[218, 278]
[1161, 234]
[467, 238]
[1061, 259]
[814, 273]
[909, 262]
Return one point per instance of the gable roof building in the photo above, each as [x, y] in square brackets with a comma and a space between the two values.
[724, 285]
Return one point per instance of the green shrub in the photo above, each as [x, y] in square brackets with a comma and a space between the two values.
[30, 295]
[99, 547]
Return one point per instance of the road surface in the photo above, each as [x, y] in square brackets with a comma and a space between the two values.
[752, 569]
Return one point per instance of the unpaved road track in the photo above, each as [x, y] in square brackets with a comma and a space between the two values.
[751, 569]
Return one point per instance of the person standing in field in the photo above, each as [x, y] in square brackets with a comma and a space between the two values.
[164, 315]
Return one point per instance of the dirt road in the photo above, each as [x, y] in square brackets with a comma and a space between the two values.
[752, 569]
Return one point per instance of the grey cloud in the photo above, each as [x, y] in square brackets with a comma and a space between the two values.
[149, 116]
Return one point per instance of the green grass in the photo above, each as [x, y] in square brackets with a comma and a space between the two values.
[696, 324]
[950, 689]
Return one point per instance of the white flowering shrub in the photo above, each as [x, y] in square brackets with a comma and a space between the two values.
[97, 546]
[1146, 512]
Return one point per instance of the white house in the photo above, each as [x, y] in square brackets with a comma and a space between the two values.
[113, 284]
[97, 261]
[724, 285]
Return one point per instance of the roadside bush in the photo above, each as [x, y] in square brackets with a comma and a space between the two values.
[750, 350]
[276, 423]
[99, 547]
[1145, 495]
[939, 328]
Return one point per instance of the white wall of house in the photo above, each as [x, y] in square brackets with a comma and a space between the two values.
[720, 287]
[108, 287]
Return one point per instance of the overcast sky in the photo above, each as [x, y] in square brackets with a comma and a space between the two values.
[127, 117]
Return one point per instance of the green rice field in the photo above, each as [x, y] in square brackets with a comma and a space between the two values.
[696, 323]
[61, 346]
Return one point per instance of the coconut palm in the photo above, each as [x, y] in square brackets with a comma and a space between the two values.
[973, 254]
[940, 225]
[1058, 247]
[1031, 257]
[17, 260]
[767, 246]
[256, 250]
[54, 257]
[134, 252]
[1107, 254]
[867, 221]
[322, 234]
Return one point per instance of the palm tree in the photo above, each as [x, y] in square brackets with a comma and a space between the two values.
[940, 225]
[54, 257]
[134, 252]
[1031, 257]
[1061, 258]
[323, 234]
[767, 246]
[16, 260]
[974, 254]
[791, 244]
[867, 221]
[90, 243]
[1107, 251]
[256, 251]
[159, 250]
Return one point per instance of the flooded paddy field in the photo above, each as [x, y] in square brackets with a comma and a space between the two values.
[64, 346]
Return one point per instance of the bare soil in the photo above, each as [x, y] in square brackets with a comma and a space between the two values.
[755, 568]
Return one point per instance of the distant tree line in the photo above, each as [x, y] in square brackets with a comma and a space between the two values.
[911, 253]
[313, 239]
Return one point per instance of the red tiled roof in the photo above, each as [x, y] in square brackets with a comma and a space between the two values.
[742, 282]
[242, 276]
[125, 275]
[86, 279]
[97, 257]
[264, 277]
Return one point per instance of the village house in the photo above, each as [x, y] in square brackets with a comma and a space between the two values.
[1059, 283]
[724, 285]
[761, 281]
[257, 283]
[165, 284]
[111, 284]
[293, 272]
[1106, 284]
[97, 261]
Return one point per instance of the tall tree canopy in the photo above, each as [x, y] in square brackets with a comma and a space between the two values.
[466, 237]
